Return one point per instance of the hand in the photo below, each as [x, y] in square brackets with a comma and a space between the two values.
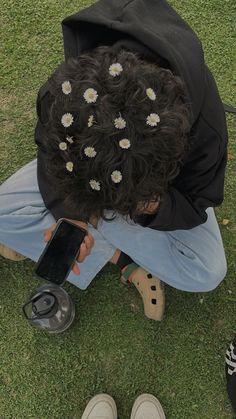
[150, 209]
[85, 247]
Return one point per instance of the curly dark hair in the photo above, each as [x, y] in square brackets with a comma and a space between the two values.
[156, 152]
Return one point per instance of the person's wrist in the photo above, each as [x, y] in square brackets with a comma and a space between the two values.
[152, 208]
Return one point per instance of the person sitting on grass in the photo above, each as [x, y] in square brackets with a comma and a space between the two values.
[132, 145]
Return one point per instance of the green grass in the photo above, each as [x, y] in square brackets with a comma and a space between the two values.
[111, 347]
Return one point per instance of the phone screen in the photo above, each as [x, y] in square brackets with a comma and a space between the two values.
[57, 259]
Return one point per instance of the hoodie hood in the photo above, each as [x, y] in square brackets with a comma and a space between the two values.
[151, 27]
[145, 26]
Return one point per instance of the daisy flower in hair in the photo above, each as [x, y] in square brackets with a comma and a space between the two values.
[63, 146]
[115, 69]
[120, 123]
[116, 176]
[90, 95]
[125, 143]
[153, 119]
[90, 152]
[66, 87]
[95, 185]
[69, 166]
[67, 120]
[151, 94]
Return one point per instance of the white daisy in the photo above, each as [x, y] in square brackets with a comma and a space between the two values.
[90, 121]
[66, 87]
[125, 143]
[119, 123]
[153, 119]
[63, 146]
[115, 69]
[151, 94]
[69, 139]
[70, 166]
[90, 152]
[90, 95]
[95, 185]
[67, 120]
[116, 176]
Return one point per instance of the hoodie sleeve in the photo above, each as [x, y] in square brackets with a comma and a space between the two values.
[200, 183]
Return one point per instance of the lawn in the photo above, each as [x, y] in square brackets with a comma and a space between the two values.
[111, 347]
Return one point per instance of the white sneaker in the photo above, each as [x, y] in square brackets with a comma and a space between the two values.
[147, 406]
[101, 406]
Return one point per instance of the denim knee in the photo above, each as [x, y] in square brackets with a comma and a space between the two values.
[213, 275]
[216, 276]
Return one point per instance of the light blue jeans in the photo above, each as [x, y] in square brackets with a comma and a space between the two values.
[190, 260]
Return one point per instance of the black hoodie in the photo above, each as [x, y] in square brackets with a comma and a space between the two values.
[152, 27]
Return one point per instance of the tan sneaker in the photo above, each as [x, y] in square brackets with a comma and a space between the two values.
[8, 253]
[149, 287]
[101, 406]
[147, 406]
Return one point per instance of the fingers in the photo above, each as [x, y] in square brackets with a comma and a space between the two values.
[89, 241]
[76, 269]
[83, 253]
[48, 233]
[151, 208]
[85, 248]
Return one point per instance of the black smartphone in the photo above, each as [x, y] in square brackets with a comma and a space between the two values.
[58, 257]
